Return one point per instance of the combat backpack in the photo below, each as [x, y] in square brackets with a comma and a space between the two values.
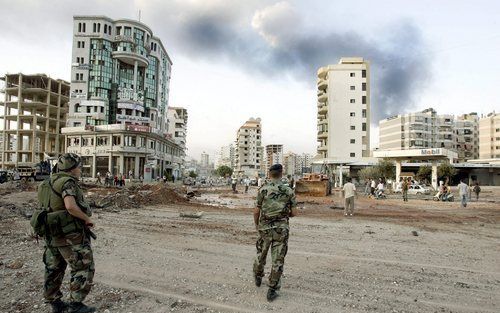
[276, 203]
[39, 218]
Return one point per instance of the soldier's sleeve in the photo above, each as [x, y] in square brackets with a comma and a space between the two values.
[260, 198]
[69, 189]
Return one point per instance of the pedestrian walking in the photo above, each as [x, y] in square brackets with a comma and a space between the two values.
[373, 184]
[247, 184]
[233, 183]
[463, 190]
[404, 189]
[349, 191]
[477, 190]
[99, 178]
[367, 187]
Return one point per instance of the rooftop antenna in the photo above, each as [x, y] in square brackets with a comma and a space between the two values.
[139, 15]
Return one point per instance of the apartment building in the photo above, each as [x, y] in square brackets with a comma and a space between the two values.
[249, 153]
[177, 119]
[226, 156]
[344, 110]
[427, 129]
[274, 155]
[120, 89]
[296, 164]
[467, 136]
[32, 114]
[489, 136]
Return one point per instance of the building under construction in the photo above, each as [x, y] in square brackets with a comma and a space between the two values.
[32, 112]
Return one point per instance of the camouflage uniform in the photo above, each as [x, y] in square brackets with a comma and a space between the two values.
[73, 249]
[275, 201]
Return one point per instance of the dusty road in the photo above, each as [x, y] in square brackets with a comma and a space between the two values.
[152, 260]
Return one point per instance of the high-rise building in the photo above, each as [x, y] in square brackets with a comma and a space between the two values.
[117, 118]
[226, 156]
[249, 152]
[427, 129]
[297, 164]
[344, 110]
[205, 159]
[274, 155]
[489, 136]
[177, 119]
[467, 136]
[34, 110]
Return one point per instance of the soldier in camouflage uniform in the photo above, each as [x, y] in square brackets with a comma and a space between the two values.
[275, 205]
[67, 240]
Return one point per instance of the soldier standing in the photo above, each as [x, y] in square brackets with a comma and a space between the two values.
[275, 205]
[67, 236]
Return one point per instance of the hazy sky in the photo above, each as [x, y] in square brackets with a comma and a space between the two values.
[239, 59]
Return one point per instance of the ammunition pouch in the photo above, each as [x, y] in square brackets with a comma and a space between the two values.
[39, 222]
[61, 223]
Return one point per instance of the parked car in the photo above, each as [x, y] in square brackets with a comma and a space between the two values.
[415, 190]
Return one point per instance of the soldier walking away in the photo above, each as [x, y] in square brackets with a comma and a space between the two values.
[247, 184]
[233, 183]
[349, 191]
[463, 190]
[477, 190]
[275, 205]
[63, 219]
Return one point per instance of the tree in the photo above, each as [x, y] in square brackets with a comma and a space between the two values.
[424, 173]
[224, 171]
[192, 174]
[368, 173]
[446, 171]
[386, 169]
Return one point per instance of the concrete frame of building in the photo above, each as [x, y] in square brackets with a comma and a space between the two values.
[249, 153]
[274, 155]
[125, 148]
[37, 104]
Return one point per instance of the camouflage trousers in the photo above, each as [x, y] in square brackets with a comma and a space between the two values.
[275, 239]
[81, 262]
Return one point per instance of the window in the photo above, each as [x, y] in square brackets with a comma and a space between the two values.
[84, 30]
[95, 27]
[105, 28]
[363, 127]
[363, 113]
[118, 30]
[79, 27]
[352, 114]
[99, 27]
[353, 127]
[116, 140]
[363, 100]
[352, 101]
[363, 73]
[353, 140]
[352, 74]
[102, 141]
[363, 86]
[353, 155]
[78, 44]
[353, 87]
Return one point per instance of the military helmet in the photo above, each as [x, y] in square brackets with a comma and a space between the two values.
[68, 161]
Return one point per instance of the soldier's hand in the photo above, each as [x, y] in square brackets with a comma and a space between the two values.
[89, 223]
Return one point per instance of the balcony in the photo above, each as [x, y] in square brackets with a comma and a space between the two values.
[323, 72]
[320, 93]
[322, 135]
[323, 97]
[322, 84]
[322, 148]
[130, 57]
[323, 109]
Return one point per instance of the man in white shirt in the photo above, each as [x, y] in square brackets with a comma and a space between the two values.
[463, 191]
[380, 189]
[349, 191]
[372, 187]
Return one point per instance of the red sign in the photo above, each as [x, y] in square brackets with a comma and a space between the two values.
[138, 128]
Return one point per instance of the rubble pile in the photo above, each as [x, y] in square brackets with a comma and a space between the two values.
[136, 196]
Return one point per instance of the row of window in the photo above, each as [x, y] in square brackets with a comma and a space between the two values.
[363, 87]
[80, 60]
[363, 113]
[363, 74]
[79, 77]
[80, 44]
[363, 100]
[128, 141]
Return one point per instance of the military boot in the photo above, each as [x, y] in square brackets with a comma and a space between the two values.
[58, 306]
[78, 307]
[271, 294]
[258, 281]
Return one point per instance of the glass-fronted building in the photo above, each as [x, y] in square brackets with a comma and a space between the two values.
[120, 77]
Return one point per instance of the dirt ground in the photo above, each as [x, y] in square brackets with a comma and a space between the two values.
[420, 256]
